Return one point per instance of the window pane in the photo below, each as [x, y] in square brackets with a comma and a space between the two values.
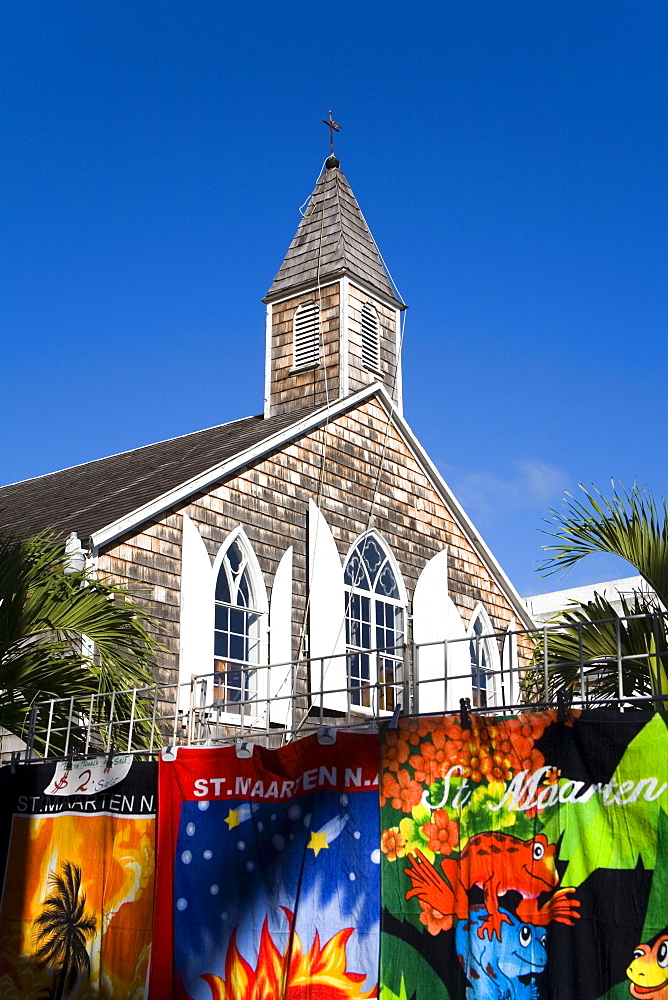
[388, 676]
[237, 647]
[221, 645]
[244, 592]
[372, 555]
[386, 583]
[233, 685]
[237, 621]
[366, 636]
[222, 617]
[222, 586]
[233, 556]
[358, 679]
[355, 574]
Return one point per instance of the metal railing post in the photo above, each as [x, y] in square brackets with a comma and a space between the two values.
[32, 724]
[69, 725]
[112, 707]
[583, 683]
[153, 714]
[132, 718]
[416, 678]
[322, 689]
[620, 674]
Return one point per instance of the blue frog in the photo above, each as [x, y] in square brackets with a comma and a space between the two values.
[493, 967]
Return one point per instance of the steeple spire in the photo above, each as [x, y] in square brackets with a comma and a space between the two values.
[332, 239]
[333, 319]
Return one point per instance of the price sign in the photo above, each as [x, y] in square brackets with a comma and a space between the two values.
[90, 776]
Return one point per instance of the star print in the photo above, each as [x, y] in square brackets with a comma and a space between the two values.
[318, 842]
[232, 819]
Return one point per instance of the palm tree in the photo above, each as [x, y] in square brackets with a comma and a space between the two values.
[625, 653]
[49, 624]
[62, 929]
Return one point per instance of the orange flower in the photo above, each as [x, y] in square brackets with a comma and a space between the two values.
[434, 763]
[532, 762]
[403, 792]
[414, 730]
[443, 833]
[501, 768]
[395, 750]
[390, 788]
[532, 726]
[393, 843]
[434, 921]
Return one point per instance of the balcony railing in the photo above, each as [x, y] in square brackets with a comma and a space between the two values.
[494, 673]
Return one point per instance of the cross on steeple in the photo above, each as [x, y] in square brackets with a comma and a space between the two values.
[333, 127]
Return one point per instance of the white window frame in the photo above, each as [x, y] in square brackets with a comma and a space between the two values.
[370, 327]
[254, 714]
[373, 658]
[485, 645]
[306, 336]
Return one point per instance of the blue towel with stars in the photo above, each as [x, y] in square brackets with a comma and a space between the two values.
[268, 873]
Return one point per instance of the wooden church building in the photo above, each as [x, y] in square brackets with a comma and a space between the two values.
[308, 550]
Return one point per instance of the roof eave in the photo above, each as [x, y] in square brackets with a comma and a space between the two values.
[179, 494]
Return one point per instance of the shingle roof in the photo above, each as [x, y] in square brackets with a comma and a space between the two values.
[88, 497]
[340, 242]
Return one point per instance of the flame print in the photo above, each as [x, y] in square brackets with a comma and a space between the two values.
[318, 974]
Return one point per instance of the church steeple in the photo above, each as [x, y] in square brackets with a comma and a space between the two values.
[333, 319]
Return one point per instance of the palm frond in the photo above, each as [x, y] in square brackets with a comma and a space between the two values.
[630, 524]
[48, 621]
[590, 651]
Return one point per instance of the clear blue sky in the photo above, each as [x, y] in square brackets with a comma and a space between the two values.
[510, 158]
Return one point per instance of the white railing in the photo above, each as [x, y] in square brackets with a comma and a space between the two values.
[497, 672]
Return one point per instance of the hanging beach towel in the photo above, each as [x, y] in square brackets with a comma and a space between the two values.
[77, 899]
[268, 876]
[525, 858]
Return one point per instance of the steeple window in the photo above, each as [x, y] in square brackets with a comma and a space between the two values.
[370, 338]
[306, 336]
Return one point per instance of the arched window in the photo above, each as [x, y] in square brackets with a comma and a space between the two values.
[370, 338]
[306, 335]
[375, 603]
[239, 609]
[485, 665]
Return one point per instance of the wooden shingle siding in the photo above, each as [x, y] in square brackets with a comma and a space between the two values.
[360, 376]
[270, 501]
[312, 387]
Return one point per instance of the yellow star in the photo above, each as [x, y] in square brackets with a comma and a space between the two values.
[318, 842]
[232, 819]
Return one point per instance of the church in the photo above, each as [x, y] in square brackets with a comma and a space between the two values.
[310, 558]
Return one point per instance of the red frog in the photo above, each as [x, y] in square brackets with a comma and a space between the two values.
[497, 863]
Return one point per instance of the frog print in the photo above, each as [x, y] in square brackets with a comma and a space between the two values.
[493, 966]
[497, 863]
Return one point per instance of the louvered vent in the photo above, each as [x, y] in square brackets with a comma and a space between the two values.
[370, 338]
[307, 335]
